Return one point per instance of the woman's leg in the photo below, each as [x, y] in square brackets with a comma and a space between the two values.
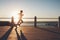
[18, 22]
[21, 21]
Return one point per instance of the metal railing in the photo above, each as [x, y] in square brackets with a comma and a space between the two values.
[35, 20]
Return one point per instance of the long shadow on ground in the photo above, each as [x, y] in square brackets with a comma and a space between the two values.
[21, 36]
[48, 30]
[18, 36]
[5, 36]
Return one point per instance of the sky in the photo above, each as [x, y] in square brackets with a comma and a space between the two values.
[31, 8]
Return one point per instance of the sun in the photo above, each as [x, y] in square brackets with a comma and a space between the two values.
[15, 15]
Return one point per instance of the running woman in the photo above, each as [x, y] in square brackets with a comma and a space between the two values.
[20, 17]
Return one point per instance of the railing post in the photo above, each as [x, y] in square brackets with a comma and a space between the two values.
[59, 24]
[12, 21]
[35, 21]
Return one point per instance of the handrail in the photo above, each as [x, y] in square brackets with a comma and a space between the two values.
[31, 18]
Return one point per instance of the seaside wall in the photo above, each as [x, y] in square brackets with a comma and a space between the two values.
[4, 23]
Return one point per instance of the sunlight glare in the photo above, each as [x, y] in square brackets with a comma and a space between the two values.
[15, 15]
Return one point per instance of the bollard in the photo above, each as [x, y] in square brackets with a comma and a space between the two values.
[35, 21]
[59, 24]
[12, 21]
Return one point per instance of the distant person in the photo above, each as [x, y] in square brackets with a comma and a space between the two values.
[20, 17]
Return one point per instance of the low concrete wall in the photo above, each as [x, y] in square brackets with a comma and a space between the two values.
[5, 23]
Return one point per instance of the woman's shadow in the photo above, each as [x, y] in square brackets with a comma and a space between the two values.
[6, 35]
[21, 36]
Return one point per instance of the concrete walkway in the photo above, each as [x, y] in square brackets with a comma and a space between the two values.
[27, 33]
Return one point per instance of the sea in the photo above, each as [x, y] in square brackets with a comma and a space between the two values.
[40, 22]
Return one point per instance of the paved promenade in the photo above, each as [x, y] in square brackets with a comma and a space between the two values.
[27, 33]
